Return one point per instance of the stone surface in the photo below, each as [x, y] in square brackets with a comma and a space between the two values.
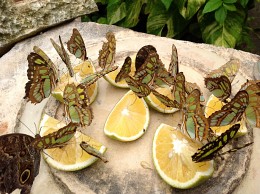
[23, 18]
[124, 172]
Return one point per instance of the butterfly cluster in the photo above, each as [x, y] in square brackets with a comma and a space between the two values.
[150, 73]
[20, 153]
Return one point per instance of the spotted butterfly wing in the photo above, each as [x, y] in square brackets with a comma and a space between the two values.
[208, 151]
[140, 89]
[219, 86]
[165, 100]
[106, 56]
[76, 45]
[195, 123]
[146, 65]
[179, 89]
[77, 109]
[64, 55]
[229, 70]
[174, 66]
[55, 139]
[19, 163]
[42, 75]
[231, 112]
[125, 70]
[252, 112]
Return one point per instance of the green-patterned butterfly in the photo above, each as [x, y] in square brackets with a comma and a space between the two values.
[252, 112]
[231, 112]
[92, 151]
[209, 150]
[174, 65]
[76, 45]
[76, 108]
[55, 139]
[63, 55]
[219, 86]
[42, 75]
[146, 64]
[140, 89]
[106, 56]
[229, 70]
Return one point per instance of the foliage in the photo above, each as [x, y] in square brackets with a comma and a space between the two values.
[218, 22]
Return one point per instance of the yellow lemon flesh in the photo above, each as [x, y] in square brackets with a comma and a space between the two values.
[69, 157]
[172, 151]
[81, 71]
[129, 118]
[156, 104]
[214, 104]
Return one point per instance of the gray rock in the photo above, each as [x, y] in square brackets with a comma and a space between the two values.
[22, 18]
[124, 172]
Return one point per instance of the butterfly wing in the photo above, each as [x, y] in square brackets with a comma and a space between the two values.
[63, 55]
[231, 112]
[165, 100]
[229, 70]
[174, 66]
[140, 89]
[219, 86]
[208, 151]
[106, 56]
[41, 80]
[125, 70]
[76, 45]
[179, 89]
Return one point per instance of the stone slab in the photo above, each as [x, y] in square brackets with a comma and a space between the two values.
[23, 18]
[124, 174]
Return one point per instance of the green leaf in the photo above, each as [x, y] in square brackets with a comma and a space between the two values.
[221, 14]
[229, 1]
[226, 34]
[212, 5]
[115, 12]
[243, 3]
[102, 20]
[167, 3]
[133, 8]
[188, 8]
[230, 7]
[161, 21]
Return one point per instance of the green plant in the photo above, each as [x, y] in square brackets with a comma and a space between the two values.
[218, 22]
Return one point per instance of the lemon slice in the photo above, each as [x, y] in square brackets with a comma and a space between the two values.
[214, 104]
[81, 71]
[156, 104]
[129, 118]
[69, 157]
[172, 151]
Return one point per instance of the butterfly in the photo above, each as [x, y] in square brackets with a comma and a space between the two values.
[252, 112]
[209, 150]
[55, 139]
[230, 112]
[106, 56]
[92, 151]
[76, 45]
[19, 163]
[146, 64]
[219, 86]
[229, 70]
[139, 88]
[77, 109]
[42, 75]
[63, 54]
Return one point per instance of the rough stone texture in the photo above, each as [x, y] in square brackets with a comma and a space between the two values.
[22, 18]
[124, 173]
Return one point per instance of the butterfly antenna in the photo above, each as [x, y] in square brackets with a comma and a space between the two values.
[26, 126]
